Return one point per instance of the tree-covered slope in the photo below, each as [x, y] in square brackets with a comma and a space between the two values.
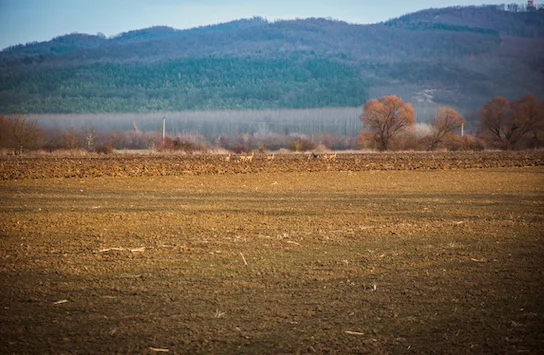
[465, 55]
[191, 83]
[508, 20]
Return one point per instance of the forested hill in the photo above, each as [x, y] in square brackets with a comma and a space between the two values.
[460, 56]
[509, 20]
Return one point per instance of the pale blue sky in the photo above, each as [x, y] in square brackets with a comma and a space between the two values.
[23, 21]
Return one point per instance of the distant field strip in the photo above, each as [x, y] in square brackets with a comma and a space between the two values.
[118, 165]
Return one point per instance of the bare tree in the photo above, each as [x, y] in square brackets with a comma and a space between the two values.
[89, 135]
[25, 133]
[538, 128]
[5, 132]
[386, 117]
[506, 124]
[446, 121]
[529, 114]
[69, 139]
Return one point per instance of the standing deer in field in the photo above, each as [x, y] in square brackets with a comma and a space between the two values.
[313, 156]
[248, 158]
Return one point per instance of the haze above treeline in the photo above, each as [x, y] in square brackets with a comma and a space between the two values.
[457, 56]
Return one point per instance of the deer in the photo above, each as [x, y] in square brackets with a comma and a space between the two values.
[249, 158]
[271, 157]
[313, 156]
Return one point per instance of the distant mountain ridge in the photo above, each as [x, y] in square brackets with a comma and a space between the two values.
[462, 55]
[80, 41]
[492, 18]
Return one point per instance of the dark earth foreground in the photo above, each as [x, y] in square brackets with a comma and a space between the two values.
[380, 253]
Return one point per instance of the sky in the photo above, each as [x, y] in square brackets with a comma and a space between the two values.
[23, 21]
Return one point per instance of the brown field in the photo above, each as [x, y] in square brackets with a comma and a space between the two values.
[136, 165]
[379, 253]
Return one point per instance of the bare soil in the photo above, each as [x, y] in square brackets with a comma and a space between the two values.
[287, 256]
[131, 165]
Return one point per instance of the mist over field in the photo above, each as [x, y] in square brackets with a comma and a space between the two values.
[340, 121]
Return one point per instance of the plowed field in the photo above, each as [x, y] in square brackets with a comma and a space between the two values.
[119, 165]
[380, 253]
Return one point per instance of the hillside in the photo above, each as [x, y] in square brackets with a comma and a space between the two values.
[460, 56]
[486, 19]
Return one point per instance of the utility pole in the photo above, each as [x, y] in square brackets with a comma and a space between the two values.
[163, 129]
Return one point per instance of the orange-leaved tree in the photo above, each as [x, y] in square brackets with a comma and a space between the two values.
[387, 117]
[507, 123]
[446, 121]
[529, 113]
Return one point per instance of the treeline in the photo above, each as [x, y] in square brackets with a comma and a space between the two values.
[389, 124]
[503, 19]
[185, 84]
[18, 134]
[426, 26]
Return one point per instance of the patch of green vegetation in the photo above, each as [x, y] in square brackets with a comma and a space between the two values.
[185, 84]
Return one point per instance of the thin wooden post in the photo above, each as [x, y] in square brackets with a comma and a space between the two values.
[163, 129]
